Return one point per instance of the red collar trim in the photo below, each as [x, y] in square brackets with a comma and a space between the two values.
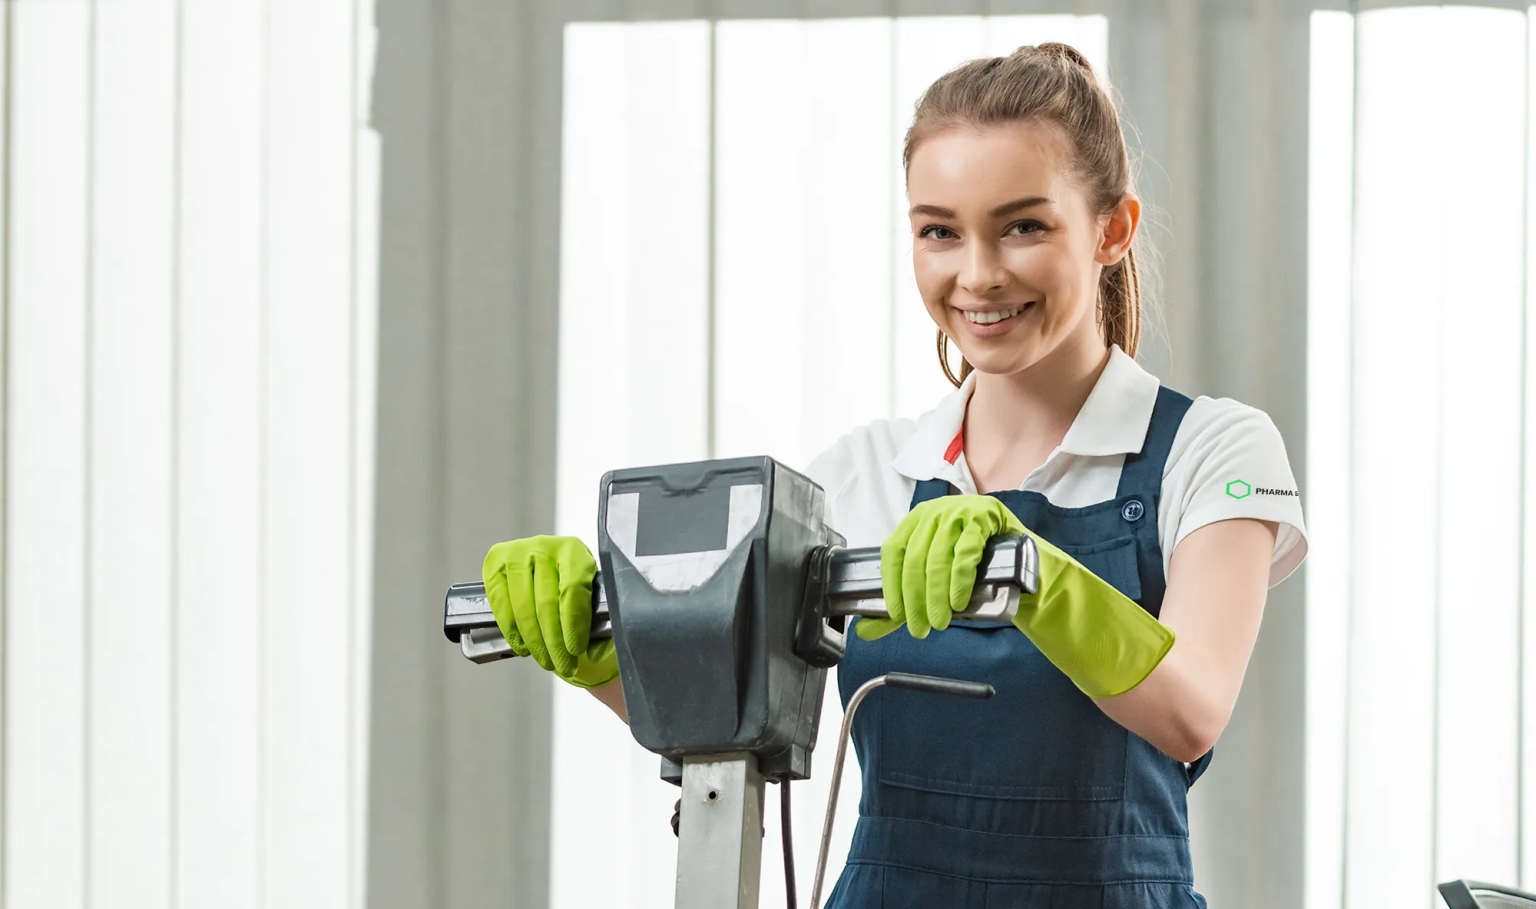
[952, 453]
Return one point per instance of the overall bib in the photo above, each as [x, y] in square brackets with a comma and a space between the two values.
[1033, 798]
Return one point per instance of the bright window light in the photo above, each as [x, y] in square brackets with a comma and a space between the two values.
[45, 690]
[366, 195]
[308, 708]
[219, 495]
[1330, 216]
[1482, 168]
[1415, 409]
[185, 499]
[132, 360]
[1527, 601]
[633, 386]
[803, 163]
[803, 270]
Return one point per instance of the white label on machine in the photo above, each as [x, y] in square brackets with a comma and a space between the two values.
[682, 571]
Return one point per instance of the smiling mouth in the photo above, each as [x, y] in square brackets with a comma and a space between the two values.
[996, 315]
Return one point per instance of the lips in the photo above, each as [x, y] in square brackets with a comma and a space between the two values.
[994, 322]
[990, 316]
[995, 314]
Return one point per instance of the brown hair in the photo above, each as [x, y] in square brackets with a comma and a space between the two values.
[1050, 83]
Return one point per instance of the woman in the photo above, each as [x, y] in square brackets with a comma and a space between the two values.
[1161, 523]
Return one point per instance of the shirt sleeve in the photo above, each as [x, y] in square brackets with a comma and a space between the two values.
[865, 496]
[1235, 466]
[832, 470]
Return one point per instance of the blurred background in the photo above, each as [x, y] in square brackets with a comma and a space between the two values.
[308, 302]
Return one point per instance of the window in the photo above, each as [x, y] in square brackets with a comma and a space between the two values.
[187, 452]
[1417, 453]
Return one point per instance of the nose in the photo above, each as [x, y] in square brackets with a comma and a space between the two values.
[982, 271]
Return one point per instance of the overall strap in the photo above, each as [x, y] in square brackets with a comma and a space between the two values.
[1143, 470]
[931, 489]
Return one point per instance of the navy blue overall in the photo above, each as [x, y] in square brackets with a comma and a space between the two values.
[1033, 798]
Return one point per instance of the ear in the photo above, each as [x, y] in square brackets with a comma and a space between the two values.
[1117, 230]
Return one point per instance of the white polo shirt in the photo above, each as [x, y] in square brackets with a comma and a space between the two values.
[1227, 461]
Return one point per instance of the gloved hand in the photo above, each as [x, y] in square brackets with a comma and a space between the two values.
[540, 590]
[928, 564]
[1096, 635]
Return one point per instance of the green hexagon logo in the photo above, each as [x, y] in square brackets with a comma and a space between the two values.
[1237, 489]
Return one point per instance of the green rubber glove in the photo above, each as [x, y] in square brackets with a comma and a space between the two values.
[928, 564]
[1096, 635]
[540, 590]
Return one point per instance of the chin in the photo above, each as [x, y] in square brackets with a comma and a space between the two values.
[1005, 367]
[1004, 358]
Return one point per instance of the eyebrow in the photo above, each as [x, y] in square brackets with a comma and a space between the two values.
[1007, 208]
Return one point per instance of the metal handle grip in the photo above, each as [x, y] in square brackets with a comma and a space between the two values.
[936, 685]
[468, 621]
[1009, 567]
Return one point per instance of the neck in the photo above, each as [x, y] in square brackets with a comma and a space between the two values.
[1033, 408]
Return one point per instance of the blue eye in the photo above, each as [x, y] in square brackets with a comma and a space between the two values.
[929, 232]
[1029, 226]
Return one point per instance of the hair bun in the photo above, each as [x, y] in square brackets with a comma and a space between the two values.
[1058, 51]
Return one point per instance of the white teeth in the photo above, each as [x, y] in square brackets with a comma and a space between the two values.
[987, 318]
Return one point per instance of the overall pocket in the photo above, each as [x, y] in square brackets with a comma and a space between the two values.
[1112, 560]
[1038, 738]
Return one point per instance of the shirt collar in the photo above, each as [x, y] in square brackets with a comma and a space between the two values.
[1112, 421]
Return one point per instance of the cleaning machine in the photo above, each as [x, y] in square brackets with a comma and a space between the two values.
[728, 597]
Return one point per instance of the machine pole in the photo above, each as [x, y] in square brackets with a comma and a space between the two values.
[720, 832]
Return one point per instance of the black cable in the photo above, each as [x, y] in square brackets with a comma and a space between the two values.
[789, 844]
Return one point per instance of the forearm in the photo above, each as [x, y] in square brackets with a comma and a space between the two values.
[612, 695]
[1180, 709]
[1215, 602]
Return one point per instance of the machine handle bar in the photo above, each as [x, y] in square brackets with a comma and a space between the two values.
[1009, 567]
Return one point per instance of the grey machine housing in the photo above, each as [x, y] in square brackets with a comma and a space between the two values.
[705, 566]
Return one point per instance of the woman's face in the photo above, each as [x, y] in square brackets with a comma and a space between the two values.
[1006, 245]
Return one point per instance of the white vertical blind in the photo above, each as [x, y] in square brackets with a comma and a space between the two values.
[1527, 806]
[811, 337]
[131, 508]
[5, 456]
[187, 425]
[633, 387]
[219, 431]
[1482, 300]
[1391, 774]
[46, 711]
[307, 720]
[1417, 421]
[762, 365]
[1329, 227]
[803, 168]
[802, 318]
[367, 165]
[845, 172]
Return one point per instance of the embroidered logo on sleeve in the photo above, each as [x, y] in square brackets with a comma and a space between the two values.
[1239, 489]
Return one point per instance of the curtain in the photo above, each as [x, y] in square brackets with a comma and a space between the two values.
[187, 456]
